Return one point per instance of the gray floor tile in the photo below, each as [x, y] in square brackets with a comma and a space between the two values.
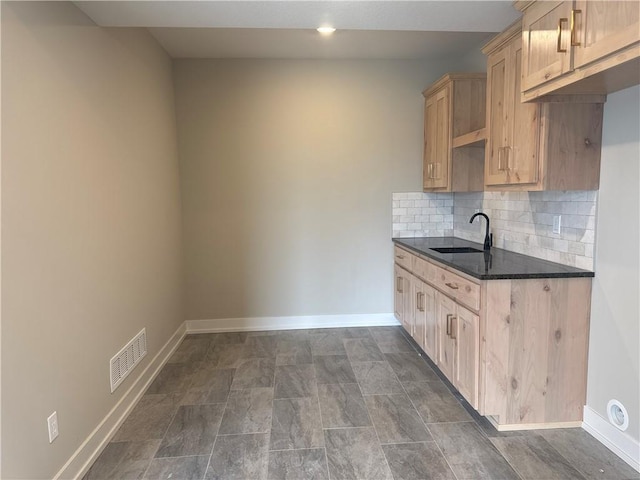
[410, 367]
[228, 338]
[308, 464]
[239, 457]
[149, 419]
[292, 351]
[296, 424]
[295, 381]
[591, 458]
[355, 454]
[342, 405]
[385, 333]
[395, 419]
[333, 369]
[469, 453]
[533, 458]
[376, 378]
[192, 431]
[327, 344]
[225, 355]
[261, 347]
[123, 460]
[395, 346]
[178, 468]
[248, 411]
[363, 350]
[417, 461]
[254, 373]
[435, 403]
[173, 378]
[192, 349]
[209, 385]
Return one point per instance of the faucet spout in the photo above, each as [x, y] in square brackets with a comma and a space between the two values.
[488, 237]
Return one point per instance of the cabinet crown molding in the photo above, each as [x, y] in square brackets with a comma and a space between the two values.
[448, 77]
[500, 40]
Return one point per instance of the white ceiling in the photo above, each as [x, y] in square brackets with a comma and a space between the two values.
[286, 29]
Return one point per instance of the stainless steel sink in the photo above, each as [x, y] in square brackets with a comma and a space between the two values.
[456, 250]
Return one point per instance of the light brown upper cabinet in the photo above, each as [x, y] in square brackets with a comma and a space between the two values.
[454, 118]
[536, 146]
[579, 47]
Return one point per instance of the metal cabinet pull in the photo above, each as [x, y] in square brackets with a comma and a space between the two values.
[419, 304]
[559, 48]
[500, 159]
[399, 284]
[449, 324]
[452, 286]
[574, 42]
[453, 328]
[401, 257]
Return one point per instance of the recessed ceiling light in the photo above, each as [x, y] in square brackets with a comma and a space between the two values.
[326, 30]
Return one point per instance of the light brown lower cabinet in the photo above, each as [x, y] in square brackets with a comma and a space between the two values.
[515, 349]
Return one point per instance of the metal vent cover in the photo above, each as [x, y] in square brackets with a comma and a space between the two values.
[127, 358]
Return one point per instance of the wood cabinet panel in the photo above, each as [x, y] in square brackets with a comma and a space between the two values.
[467, 332]
[581, 47]
[546, 40]
[446, 310]
[403, 258]
[521, 359]
[454, 113]
[534, 146]
[462, 290]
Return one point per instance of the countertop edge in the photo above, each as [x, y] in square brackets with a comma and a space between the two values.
[509, 276]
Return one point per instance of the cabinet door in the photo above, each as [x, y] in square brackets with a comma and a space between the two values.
[602, 27]
[467, 361]
[521, 156]
[398, 297]
[437, 139]
[443, 144]
[419, 311]
[430, 122]
[546, 41]
[498, 133]
[446, 309]
[430, 330]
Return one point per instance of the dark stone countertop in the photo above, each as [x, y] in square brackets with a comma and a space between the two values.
[500, 264]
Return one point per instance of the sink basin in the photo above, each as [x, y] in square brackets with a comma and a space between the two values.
[456, 250]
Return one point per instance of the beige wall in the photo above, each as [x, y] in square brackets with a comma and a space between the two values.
[287, 170]
[91, 222]
[614, 349]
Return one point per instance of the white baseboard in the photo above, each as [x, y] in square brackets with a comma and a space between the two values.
[90, 449]
[290, 323]
[627, 448]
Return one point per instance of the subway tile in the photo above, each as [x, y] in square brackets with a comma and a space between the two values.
[399, 211]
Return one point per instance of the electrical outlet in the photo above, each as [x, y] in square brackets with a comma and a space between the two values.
[557, 224]
[52, 423]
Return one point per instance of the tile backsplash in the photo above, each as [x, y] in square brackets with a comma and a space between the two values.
[418, 214]
[520, 221]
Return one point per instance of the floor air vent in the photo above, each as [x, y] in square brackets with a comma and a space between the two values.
[123, 362]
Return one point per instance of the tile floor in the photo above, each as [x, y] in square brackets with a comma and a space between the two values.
[347, 403]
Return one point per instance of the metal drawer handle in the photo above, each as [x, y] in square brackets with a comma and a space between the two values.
[559, 48]
[453, 329]
[401, 257]
[399, 284]
[574, 42]
[452, 286]
[449, 325]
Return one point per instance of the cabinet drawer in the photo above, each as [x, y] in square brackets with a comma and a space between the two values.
[402, 258]
[463, 290]
[423, 269]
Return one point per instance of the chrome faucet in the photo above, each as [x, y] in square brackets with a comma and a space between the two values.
[488, 237]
